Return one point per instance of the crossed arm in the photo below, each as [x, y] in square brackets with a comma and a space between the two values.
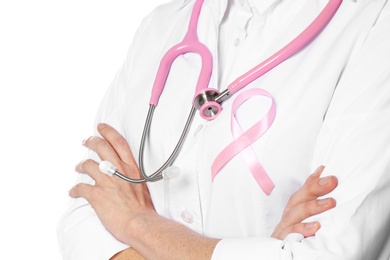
[127, 211]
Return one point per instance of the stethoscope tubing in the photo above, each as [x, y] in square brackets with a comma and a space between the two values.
[287, 51]
[156, 176]
[191, 43]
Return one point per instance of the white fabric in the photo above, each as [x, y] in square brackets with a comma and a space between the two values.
[333, 109]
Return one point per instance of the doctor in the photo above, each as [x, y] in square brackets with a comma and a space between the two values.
[333, 105]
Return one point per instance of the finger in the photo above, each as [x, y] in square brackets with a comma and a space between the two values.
[308, 191]
[316, 175]
[317, 188]
[312, 189]
[322, 186]
[305, 210]
[306, 229]
[81, 190]
[91, 168]
[103, 148]
[118, 142]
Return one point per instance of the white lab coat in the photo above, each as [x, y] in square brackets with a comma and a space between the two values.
[333, 109]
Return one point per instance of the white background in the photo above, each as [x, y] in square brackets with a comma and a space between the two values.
[57, 58]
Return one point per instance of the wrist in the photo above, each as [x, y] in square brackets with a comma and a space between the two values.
[155, 236]
[137, 226]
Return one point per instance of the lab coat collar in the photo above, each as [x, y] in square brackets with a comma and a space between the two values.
[220, 6]
[260, 6]
[216, 6]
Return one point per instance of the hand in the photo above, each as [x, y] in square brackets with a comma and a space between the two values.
[129, 253]
[305, 203]
[115, 201]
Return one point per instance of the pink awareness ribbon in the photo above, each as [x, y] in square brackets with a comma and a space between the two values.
[243, 140]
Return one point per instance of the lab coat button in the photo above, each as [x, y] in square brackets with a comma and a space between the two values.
[198, 129]
[236, 42]
[187, 216]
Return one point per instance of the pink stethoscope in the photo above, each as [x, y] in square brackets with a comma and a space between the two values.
[208, 100]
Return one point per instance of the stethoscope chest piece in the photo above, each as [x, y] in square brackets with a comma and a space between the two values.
[205, 102]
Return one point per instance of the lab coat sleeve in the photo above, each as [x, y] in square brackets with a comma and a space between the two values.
[80, 232]
[354, 145]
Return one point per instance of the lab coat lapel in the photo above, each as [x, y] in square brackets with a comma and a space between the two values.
[208, 32]
[262, 43]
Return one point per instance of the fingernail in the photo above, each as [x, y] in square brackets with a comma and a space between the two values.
[317, 171]
[101, 126]
[323, 201]
[324, 181]
[311, 224]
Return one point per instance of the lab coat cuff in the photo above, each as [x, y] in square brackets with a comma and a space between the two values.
[248, 248]
[81, 235]
[89, 240]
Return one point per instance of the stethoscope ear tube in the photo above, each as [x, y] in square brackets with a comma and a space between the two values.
[158, 175]
[165, 171]
[109, 169]
[290, 49]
